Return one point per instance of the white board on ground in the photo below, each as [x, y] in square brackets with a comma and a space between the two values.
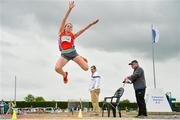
[156, 101]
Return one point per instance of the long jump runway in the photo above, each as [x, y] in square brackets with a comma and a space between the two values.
[87, 116]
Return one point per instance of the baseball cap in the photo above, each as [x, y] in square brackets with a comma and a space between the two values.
[134, 61]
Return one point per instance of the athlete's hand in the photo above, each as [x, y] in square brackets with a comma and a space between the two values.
[71, 4]
[94, 22]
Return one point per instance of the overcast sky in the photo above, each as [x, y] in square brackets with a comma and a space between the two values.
[29, 46]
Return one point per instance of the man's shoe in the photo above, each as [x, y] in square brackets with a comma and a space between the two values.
[65, 78]
[96, 114]
[141, 116]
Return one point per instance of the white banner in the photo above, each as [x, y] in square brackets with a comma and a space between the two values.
[156, 101]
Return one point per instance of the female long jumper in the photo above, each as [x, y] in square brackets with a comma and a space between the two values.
[67, 47]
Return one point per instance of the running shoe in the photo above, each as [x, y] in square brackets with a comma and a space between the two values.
[65, 78]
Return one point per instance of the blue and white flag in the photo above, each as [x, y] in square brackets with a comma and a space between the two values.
[155, 34]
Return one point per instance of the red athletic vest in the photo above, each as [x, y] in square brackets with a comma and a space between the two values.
[66, 41]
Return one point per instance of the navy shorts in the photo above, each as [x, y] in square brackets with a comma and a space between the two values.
[69, 56]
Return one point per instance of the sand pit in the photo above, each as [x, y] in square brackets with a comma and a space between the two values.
[89, 116]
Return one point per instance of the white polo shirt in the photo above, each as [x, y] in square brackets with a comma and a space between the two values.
[95, 81]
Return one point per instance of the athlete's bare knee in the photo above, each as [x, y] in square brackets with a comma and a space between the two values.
[86, 68]
[57, 68]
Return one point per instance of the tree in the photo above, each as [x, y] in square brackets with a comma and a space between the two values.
[125, 101]
[29, 98]
[40, 99]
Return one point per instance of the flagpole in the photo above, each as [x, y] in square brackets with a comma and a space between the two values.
[154, 72]
[15, 90]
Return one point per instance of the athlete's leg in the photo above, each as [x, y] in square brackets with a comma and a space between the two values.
[81, 62]
[59, 66]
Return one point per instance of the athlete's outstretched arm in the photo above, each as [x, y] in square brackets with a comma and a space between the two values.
[71, 5]
[85, 28]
